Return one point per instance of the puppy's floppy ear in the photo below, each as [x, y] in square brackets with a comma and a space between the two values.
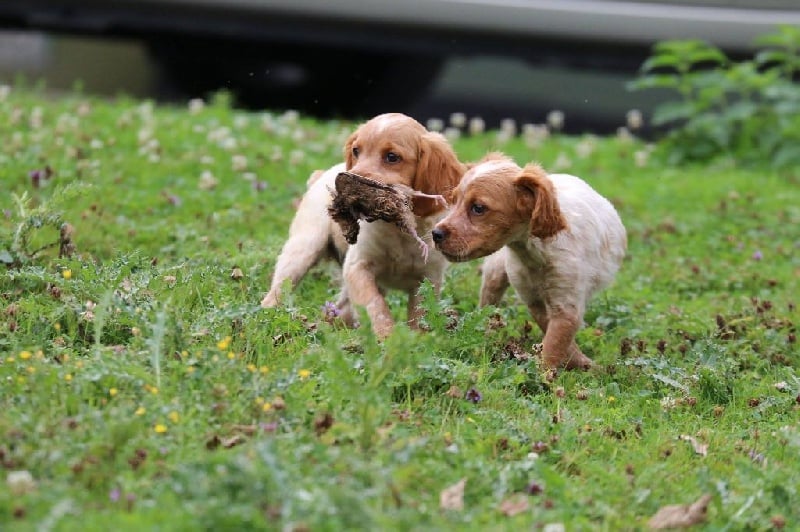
[537, 196]
[438, 171]
[349, 159]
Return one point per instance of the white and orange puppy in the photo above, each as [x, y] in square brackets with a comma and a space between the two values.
[554, 238]
[393, 149]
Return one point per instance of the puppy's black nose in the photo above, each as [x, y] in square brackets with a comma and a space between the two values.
[438, 235]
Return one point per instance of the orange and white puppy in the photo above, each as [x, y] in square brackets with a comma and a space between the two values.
[397, 150]
[552, 237]
[393, 149]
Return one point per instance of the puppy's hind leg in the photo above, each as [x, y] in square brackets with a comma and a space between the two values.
[298, 255]
[494, 279]
[310, 236]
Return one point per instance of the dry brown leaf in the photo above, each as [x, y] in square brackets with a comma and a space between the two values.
[247, 430]
[680, 515]
[699, 448]
[515, 505]
[233, 441]
[452, 498]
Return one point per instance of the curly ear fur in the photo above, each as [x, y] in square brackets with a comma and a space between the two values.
[538, 196]
[347, 151]
[438, 171]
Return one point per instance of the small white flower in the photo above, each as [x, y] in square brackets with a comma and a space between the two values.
[290, 117]
[458, 120]
[239, 163]
[586, 146]
[207, 180]
[196, 105]
[535, 134]
[84, 109]
[452, 133]
[668, 403]
[240, 121]
[5, 90]
[503, 137]
[476, 125]
[624, 135]
[296, 157]
[96, 144]
[20, 482]
[640, 158]
[206, 160]
[509, 127]
[555, 119]
[435, 124]
[634, 119]
[35, 120]
[229, 144]
[562, 162]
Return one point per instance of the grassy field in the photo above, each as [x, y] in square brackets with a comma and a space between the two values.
[142, 387]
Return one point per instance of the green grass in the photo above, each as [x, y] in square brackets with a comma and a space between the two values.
[143, 388]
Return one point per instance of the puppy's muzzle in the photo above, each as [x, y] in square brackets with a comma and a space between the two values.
[439, 235]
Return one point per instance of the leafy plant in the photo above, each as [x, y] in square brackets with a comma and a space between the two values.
[22, 246]
[749, 109]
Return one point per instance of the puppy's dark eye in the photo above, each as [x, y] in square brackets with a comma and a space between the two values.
[392, 157]
[356, 151]
[477, 209]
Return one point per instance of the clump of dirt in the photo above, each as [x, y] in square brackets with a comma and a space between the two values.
[360, 198]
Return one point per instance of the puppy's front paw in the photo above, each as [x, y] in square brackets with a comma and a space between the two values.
[270, 300]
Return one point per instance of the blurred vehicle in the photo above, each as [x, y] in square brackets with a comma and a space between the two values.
[353, 57]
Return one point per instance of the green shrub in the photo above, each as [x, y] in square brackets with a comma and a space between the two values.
[747, 109]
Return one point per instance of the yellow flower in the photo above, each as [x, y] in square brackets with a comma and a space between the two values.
[231, 355]
[611, 399]
[67, 274]
[68, 377]
[31, 370]
[190, 369]
[11, 360]
[154, 390]
[259, 400]
[57, 326]
[266, 407]
[264, 370]
[112, 392]
[140, 411]
[304, 374]
[160, 428]
[251, 368]
[223, 344]
[174, 416]
[24, 355]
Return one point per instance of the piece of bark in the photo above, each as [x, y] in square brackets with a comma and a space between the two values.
[360, 198]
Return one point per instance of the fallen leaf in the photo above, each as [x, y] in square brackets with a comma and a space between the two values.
[699, 448]
[680, 515]
[452, 498]
[515, 505]
[233, 441]
[247, 430]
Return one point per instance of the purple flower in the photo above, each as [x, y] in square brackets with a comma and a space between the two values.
[272, 426]
[114, 495]
[174, 200]
[330, 311]
[473, 396]
[757, 255]
[36, 178]
[259, 186]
